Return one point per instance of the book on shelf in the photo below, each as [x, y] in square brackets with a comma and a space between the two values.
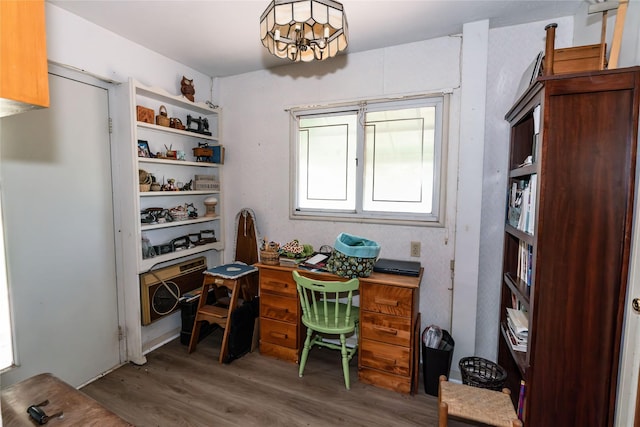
[521, 399]
[518, 339]
[515, 202]
[515, 344]
[536, 119]
[517, 320]
[533, 184]
[523, 201]
[525, 262]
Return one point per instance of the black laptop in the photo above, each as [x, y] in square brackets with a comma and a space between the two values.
[395, 266]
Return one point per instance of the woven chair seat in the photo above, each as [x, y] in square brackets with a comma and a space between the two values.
[480, 405]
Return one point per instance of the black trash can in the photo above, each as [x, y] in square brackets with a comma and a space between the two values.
[188, 315]
[436, 362]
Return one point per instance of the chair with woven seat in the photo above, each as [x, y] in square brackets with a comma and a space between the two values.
[327, 309]
[474, 404]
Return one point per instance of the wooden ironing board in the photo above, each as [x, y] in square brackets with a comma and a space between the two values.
[247, 248]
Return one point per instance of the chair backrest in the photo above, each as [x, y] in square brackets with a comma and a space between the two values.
[326, 304]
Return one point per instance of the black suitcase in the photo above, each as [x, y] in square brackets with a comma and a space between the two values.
[241, 333]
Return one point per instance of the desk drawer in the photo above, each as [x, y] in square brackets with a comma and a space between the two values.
[386, 328]
[386, 380]
[279, 308]
[385, 357]
[278, 282]
[387, 299]
[280, 333]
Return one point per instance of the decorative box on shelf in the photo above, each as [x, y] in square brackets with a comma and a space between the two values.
[144, 114]
[206, 183]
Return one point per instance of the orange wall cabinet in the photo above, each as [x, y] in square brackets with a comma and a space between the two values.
[24, 83]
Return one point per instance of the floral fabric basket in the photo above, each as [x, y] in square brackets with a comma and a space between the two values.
[353, 256]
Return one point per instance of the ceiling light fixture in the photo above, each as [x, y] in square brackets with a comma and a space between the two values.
[304, 30]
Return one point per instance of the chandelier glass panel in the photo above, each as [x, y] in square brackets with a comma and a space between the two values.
[304, 30]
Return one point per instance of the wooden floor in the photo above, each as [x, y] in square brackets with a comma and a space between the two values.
[179, 389]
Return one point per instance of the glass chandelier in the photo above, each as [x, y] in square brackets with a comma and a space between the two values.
[304, 30]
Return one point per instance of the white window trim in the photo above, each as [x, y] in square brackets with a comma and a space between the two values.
[437, 220]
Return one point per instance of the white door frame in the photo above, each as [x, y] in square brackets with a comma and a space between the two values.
[630, 352]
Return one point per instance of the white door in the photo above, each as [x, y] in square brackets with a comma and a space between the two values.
[55, 170]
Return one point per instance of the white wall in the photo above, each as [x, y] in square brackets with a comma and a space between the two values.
[74, 41]
[467, 240]
[256, 131]
[588, 31]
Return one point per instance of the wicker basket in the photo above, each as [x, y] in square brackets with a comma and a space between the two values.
[162, 119]
[482, 373]
[270, 258]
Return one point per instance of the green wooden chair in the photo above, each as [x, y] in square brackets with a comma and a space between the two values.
[327, 310]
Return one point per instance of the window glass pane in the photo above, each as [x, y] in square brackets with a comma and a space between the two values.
[326, 162]
[370, 160]
[399, 160]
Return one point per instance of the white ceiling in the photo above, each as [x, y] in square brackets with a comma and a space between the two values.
[221, 37]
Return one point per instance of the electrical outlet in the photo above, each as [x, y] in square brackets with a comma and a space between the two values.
[415, 249]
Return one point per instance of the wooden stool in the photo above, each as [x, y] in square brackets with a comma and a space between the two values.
[475, 404]
[235, 279]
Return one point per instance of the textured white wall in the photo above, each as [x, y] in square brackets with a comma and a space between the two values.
[256, 133]
[588, 28]
[75, 42]
[472, 121]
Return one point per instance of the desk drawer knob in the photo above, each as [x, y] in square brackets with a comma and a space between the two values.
[383, 301]
[385, 359]
[382, 329]
[279, 335]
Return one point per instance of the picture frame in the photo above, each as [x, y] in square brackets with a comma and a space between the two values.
[533, 71]
[143, 149]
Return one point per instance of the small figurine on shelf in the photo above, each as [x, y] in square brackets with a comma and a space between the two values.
[187, 88]
[202, 123]
[191, 210]
[170, 185]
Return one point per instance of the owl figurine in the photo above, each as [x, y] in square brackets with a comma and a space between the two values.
[187, 89]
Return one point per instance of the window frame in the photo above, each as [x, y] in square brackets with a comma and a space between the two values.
[434, 219]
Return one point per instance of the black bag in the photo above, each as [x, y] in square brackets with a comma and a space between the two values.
[241, 333]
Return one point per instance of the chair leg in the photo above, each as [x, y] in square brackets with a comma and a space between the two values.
[305, 352]
[227, 328]
[345, 361]
[195, 334]
[443, 413]
[443, 408]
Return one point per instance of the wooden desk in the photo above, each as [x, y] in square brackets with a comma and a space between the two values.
[388, 350]
[78, 408]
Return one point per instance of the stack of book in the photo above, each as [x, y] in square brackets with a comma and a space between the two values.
[517, 329]
[291, 262]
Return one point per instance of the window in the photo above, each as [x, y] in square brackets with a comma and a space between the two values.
[375, 161]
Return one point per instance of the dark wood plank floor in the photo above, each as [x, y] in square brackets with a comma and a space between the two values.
[179, 389]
